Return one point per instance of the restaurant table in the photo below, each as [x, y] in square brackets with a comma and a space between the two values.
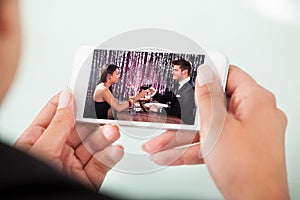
[145, 116]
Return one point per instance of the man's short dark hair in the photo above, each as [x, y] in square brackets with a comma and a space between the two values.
[183, 64]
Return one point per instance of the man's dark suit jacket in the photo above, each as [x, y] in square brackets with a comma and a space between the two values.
[182, 102]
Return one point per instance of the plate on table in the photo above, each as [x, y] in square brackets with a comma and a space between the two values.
[138, 109]
[159, 105]
[136, 104]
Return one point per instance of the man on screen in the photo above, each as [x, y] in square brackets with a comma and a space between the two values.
[180, 99]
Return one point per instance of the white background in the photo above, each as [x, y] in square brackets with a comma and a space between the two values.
[260, 36]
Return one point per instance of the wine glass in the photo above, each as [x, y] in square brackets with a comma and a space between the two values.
[147, 83]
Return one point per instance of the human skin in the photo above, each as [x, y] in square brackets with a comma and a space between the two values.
[178, 75]
[82, 151]
[247, 161]
[246, 156]
[102, 93]
[10, 40]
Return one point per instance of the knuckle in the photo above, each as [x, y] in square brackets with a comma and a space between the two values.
[271, 97]
[266, 97]
[205, 94]
[71, 124]
[61, 118]
[283, 118]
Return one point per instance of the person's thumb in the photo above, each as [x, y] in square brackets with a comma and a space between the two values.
[210, 101]
[60, 127]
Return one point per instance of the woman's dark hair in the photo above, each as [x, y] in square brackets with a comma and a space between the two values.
[105, 70]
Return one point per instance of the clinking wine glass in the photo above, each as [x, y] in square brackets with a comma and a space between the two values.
[146, 83]
[131, 97]
[132, 110]
[146, 86]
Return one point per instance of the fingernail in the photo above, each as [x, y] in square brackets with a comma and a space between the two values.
[120, 146]
[110, 133]
[64, 98]
[150, 149]
[204, 75]
[144, 148]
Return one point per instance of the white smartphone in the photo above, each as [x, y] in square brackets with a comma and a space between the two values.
[136, 68]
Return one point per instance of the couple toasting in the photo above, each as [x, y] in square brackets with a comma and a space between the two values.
[180, 99]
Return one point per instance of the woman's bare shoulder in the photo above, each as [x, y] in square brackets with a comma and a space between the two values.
[101, 88]
[100, 92]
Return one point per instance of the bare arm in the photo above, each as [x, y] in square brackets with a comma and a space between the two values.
[140, 95]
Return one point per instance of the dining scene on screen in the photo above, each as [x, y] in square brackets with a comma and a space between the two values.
[142, 86]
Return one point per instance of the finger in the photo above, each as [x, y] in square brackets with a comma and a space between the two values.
[209, 95]
[97, 141]
[141, 94]
[178, 156]
[210, 100]
[237, 78]
[241, 88]
[45, 116]
[283, 120]
[37, 127]
[170, 139]
[29, 138]
[151, 89]
[83, 129]
[98, 166]
[51, 142]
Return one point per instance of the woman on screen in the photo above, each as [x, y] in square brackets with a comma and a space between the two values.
[105, 102]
